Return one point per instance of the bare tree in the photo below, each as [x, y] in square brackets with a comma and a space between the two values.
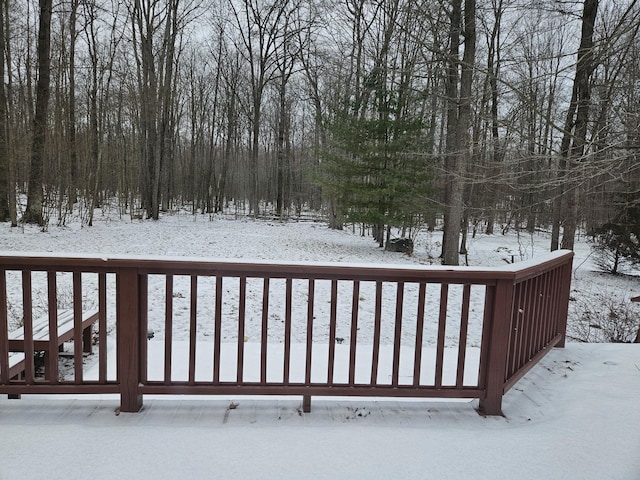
[156, 26]
[286, 58]
[6, 185]
[574, 141]
[262, 32]
[34, 210]
[231, 86]
[458, 123]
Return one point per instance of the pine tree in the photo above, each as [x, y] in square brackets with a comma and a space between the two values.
[375, 171]
[619, 239]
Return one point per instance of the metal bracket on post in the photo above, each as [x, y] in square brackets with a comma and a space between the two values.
[128, 333]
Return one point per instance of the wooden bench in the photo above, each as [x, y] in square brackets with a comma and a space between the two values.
[41, 338]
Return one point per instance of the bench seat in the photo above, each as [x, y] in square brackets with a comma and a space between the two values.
[16, 364]
[41, 337]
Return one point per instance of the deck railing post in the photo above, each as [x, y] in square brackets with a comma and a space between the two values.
[496, 365]
[128, 339]
[562, 309]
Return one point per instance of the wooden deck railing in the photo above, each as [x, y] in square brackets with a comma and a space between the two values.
[235, 328]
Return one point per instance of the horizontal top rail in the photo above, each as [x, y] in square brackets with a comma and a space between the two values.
[239, 268]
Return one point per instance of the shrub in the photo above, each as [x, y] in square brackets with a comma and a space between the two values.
[604, 319]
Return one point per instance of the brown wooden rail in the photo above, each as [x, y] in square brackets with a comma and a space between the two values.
[286, 329]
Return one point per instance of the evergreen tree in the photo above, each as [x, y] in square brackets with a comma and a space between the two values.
[619, 239]
[375, 171]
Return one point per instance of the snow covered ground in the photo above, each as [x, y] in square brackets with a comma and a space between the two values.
[574, 416]
[224, 237]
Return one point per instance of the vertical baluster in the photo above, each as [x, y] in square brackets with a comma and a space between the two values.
[51, 355]
[309, 348]
[376, 335]
[78, 348]
[354, 332]
[540, 300]
[487, 322]
[548, 295]
[28, 326]
[519, 310]
[462, 341]
[535, 290]
[4, 330]
[102, 327]
[533, 319]
[120, 327]
[287, 330]
[333, 320]
[554, 292]
[193, 329]
[533, 303]
[546, 298]
[541, 339]
[143, 327]
[562, 306]
[397, 339]
[557, 300]
[535, 285]
[168, 329]
[516, 330]
[217, 334]
[241, 317]
[265, 332]
[442, 326]
[417, 354]
[528, 320]
[306, 399]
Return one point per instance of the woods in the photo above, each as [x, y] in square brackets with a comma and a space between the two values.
[474, 115]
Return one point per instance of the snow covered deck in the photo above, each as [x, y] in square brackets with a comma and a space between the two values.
[574, 417]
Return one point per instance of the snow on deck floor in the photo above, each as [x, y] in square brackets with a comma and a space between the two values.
[574, 416]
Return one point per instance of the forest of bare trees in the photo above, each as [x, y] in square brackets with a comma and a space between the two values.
[466, 115]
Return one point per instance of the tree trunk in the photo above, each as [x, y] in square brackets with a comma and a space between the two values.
[493, 68]
[228, 152]
[72, 174]
[13, 211]
[156, 87]
[6, 182]
[451, 233]
[35, 198]
[577, 139]
[94, 135]
[282, 168]
[254, 196]
[457, 148]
